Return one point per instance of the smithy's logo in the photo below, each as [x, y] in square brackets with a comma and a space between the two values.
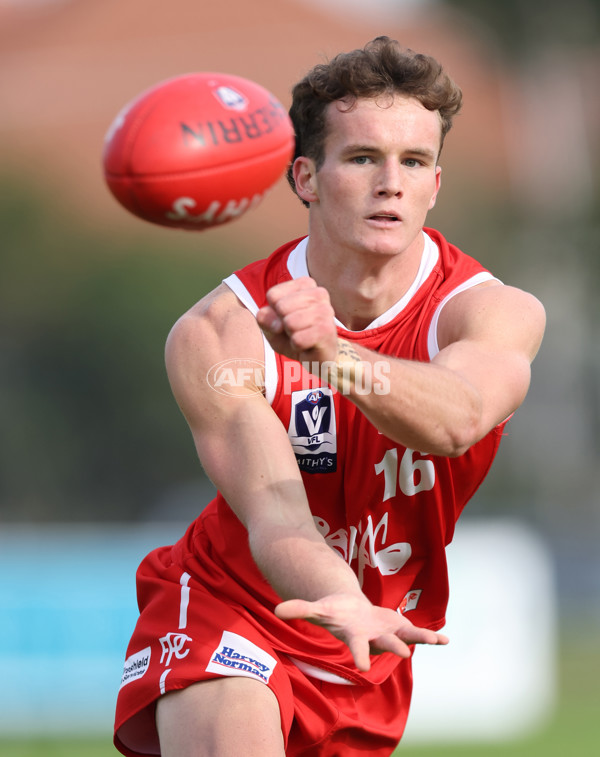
[312, 430]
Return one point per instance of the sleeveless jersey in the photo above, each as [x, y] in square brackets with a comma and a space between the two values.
[387, 510]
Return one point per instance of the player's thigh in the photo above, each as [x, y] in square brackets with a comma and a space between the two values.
[222, 717]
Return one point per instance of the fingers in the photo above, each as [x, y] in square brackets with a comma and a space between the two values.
[269, 321]
[295, 303]
[416, 635]
[361, 653]
[299, 321]
[287, 298]
[358, 644]
[295, 609]
[303, 285]
[390, 643]
[365, 630]
[440, 639]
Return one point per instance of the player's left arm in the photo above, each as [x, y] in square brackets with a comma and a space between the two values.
[488, 337]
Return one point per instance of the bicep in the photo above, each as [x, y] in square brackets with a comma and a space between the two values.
[240, 441]
[500, 378]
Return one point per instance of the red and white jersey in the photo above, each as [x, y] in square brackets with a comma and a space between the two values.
[387, 510]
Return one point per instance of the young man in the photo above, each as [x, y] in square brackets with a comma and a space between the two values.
[376, 368]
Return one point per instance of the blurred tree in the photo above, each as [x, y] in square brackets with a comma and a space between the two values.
[523, 26]
[89, 428]
[547, 227]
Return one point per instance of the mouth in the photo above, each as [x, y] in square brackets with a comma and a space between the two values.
[384, 218]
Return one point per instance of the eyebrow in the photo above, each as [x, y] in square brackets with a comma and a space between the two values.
[370, 149]
[349, 149]
[423, 152]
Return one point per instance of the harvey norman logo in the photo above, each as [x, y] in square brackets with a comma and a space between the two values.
[238, 656]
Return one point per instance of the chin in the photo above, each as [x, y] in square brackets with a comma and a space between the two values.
[386, 247]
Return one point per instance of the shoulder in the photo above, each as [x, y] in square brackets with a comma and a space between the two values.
[217, 328]
[496, 311]
[218, 320]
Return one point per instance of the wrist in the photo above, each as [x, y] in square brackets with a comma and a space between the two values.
[346, 371]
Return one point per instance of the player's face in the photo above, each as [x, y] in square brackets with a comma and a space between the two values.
[379, 177]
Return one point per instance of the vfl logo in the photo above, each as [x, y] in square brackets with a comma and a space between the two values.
[312, 430]
[173, 644]
[314, 419]
[231, 98]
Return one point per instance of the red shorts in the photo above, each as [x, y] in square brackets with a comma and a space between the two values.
[187, 634]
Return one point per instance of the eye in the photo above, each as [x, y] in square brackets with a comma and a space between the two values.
[361, 160]
[412, 162]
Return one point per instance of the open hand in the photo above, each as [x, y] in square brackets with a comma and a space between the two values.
[365, 628]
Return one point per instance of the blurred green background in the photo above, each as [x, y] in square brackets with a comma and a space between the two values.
[90, 433]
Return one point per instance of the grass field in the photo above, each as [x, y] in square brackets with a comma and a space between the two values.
[573, 730]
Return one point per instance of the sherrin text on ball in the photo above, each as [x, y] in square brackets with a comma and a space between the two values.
[197, 150]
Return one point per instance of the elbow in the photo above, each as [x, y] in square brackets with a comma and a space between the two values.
[461, 434]
[458, 445]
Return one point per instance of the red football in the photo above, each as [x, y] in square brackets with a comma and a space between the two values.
[197, 150]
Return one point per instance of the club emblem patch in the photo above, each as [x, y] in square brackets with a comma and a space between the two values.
[312, 430]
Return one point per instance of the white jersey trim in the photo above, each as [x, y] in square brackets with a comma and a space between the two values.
[432, 337]
[322, 675]
[244, 296]
[297, 267]
[296, 262]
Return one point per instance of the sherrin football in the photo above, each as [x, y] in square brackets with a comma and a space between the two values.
[197, 150]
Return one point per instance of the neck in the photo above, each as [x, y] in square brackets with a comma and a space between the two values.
[362, 287]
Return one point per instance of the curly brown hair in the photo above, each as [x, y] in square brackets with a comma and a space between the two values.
[381, 67]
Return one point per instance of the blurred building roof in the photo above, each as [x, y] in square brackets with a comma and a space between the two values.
[68, 66]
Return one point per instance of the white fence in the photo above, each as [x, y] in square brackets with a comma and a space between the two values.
[67, 608]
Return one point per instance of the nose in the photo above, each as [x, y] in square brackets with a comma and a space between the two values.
[389, 179]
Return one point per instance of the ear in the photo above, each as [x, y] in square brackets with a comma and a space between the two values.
[305, 173]
[438, 183]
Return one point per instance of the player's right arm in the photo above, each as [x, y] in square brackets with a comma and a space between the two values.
[245, 450]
